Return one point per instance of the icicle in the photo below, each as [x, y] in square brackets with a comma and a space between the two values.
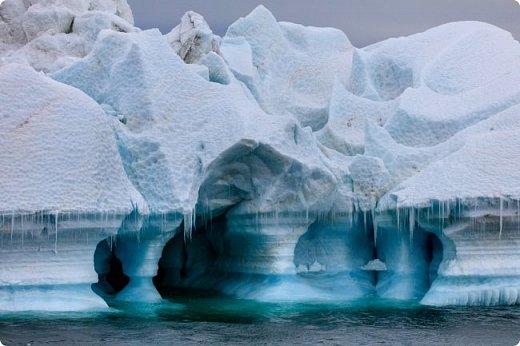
[188, 219]
[374, 225]
[210, 219]
[21, 228]
[412, 224]
[501, 220]
[56, 233]
[138, 237]
[12, 227]
[442, 214]
[256, 220]
[398, 223]
[518, 214]
[365, 221]
[32, 222]
[307, 215]
[439, 216]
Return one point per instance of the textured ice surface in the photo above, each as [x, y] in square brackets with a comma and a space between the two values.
[176, 134]
[288, 67]
[39, 170]
[276, 163]
[51, 34]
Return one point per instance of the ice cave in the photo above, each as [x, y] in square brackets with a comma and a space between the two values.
[276, 163]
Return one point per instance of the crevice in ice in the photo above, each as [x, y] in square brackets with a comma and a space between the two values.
[69, 30]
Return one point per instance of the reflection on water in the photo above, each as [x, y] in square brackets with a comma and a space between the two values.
[221, 320]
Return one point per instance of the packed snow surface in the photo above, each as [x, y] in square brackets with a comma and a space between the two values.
[58, 149]
[278, 162]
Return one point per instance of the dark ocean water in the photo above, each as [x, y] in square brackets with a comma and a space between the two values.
[218, 320]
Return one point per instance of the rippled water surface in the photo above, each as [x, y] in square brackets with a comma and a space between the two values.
[217, 320]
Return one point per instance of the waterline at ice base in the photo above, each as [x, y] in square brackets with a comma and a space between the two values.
[277, 163]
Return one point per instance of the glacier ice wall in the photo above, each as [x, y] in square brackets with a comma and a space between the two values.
[276, 163]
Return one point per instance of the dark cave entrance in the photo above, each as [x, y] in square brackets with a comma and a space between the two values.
[186, 265]
[435, 252]
[111, 277]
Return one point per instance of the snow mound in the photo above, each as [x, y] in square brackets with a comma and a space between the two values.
[466, 166]
[375, 265]
[446, 79]
[486, 166]
[59, 151]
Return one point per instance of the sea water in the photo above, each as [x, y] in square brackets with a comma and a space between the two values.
[214, 320]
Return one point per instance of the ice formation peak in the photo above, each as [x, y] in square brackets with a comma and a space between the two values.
[278, 158]
[192, 39]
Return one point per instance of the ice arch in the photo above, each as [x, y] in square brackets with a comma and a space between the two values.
[330, 256]
[253, 205]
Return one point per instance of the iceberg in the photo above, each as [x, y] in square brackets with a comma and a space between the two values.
[276, 163]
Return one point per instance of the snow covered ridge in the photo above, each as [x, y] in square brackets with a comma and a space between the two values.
[276, 163]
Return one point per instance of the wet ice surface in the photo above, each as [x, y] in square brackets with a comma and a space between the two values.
[218, 320]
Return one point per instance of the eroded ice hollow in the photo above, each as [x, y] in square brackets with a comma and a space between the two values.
[276, 163]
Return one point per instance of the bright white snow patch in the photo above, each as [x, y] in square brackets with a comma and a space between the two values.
[375, 265]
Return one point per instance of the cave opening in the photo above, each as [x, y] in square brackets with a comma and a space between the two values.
[435, 253]
[111, 277]
[411, 257]
[398, 263]
[187, 265]
[336, 258]
[329, 257]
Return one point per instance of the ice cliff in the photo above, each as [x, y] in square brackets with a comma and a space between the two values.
[276, 163]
